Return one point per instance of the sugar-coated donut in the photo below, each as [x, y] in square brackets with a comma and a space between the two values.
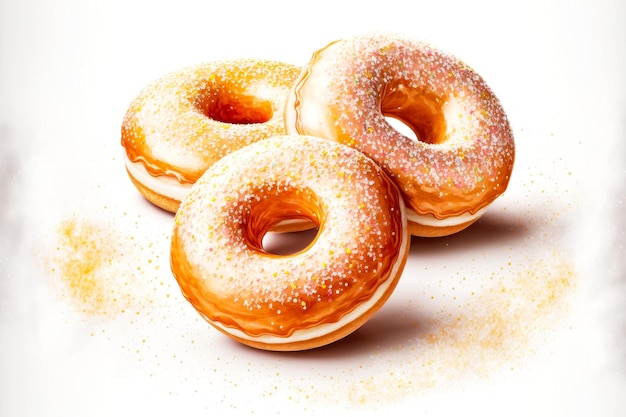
[184, 122]
[306, 299]
[464, 154]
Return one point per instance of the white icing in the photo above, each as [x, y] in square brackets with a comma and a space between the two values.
[164, 185]
[311, 112]
[430, 220]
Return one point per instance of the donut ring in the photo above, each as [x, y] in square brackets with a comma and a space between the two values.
[184, 122]
[464, 154]
[309, 298]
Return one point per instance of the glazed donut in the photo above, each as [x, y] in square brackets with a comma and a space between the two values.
[306, 299]
[464, 152]
[184, 122]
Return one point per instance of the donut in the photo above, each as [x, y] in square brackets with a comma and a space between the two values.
[182, 123]
[297, 301]
[463, 156]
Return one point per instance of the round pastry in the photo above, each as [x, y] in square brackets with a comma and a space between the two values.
[184, 122]
[309, 298]
[464, 152]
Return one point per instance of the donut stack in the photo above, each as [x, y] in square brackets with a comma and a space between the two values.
[238, 149]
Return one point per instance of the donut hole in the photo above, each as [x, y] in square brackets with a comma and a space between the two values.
[288, 243]
[239, 109]
[421, 112]
[284, 221]
[401, 127]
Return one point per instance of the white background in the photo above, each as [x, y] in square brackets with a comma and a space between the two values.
[462, 333]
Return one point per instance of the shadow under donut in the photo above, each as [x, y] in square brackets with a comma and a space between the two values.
[490, 231]
[389, 329]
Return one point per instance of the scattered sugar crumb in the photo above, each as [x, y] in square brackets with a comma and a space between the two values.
[100, 268]
[494, 331]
